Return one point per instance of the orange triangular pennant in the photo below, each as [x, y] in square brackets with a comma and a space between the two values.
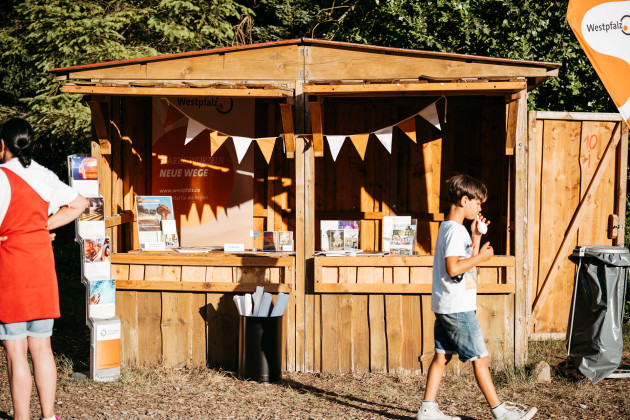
[266, 146]
[408, 126]
[172, 115]
[360, 142]
[216, 140]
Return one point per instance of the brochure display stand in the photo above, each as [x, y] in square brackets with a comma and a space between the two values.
[96, 273]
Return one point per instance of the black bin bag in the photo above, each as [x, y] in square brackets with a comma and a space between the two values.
[594, 336]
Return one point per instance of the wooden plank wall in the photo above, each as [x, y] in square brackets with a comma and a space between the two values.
[381, 323]
[567, 153]
[190, 328]
[409, 180]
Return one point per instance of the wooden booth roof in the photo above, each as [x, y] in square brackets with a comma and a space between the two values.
[324, 67]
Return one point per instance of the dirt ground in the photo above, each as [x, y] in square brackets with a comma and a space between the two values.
[212, 394]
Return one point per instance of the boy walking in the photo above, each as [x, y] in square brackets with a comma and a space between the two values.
[454, 301]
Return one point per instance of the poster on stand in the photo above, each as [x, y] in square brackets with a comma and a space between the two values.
[101, 298]
[91, 222]
[153, 214]
[96, 258]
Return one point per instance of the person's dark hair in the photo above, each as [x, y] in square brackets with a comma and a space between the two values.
[18, 137]
[465, 185]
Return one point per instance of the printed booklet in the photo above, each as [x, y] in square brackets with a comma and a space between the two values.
[83, 174]
[156, 223]
[92, 221]
[270, 241]
[388, 228]
[101, 298]
[96, 258]
[403, 240]
[339, 235]
[285, 241]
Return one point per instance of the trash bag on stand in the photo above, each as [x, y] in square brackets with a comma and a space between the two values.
[594, 334]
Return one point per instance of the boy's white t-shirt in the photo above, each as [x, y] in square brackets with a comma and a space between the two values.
[450, 296]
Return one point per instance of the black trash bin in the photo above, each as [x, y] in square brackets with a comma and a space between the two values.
[594, 336]
[260, 348]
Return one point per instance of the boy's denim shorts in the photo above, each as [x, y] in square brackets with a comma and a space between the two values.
[39, 328]
[459, 333]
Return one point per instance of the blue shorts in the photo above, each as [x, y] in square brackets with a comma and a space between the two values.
[459, 333]
[39, 328]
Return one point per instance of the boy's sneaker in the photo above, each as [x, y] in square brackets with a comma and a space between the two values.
[429, 411]
[511, 411]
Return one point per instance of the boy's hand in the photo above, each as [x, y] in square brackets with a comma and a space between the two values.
[474, 228]
[486, 252]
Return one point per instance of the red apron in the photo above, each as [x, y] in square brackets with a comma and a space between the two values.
[28, 282]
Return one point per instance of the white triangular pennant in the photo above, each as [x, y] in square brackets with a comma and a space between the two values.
[335, 143]
[430, 114]
[193, 130]
[385, 137]
[241, 144]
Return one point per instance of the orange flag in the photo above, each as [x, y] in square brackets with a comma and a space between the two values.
[360, 142]
[408, 126]
[216, 141]
[603, 29]
[266, 146]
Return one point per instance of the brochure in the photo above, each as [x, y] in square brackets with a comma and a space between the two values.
[92, 221]
[83, 174]
[403, 240]
[338, 235]
[388, 228]
[96, 257]
[101, 298]
[156, 224]
[270, 241]
[285, 241]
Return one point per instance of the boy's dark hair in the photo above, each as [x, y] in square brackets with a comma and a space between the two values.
[18, 137]
[465, 185]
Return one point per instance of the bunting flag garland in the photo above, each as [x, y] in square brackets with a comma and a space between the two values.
[216, 140]
[430, 114]
[335, 143]
[385, 137]
[193, 130]
[266, 146]
[360, 142]
[241, 144]
[408, 127]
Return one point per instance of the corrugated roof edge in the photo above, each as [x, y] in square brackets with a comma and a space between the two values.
[306, 41]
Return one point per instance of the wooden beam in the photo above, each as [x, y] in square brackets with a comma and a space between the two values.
[402, 289]
[578, 116]
[520, 232]
[365, 88]
[577, 218]
[119, 219]
[207, 287]
[100, 127]
[530, 216]
[287, 125]
[317, 127]
[401, 261]
[212, 260]
[163, 91]
[622, 180]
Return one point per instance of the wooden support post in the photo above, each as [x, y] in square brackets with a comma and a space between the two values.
[577, 218]
[521, 251]
[100, 127]
[287, 124]
[316, 127]
[622, 180]
[530, 226]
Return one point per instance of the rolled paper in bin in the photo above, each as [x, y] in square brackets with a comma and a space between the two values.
[260, 348]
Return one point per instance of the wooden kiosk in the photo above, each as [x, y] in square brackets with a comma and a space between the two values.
[361, 313]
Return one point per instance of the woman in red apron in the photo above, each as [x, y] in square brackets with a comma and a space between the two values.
[29, 299]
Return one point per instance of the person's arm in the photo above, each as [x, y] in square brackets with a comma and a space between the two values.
[456, 266]
[68, 213]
